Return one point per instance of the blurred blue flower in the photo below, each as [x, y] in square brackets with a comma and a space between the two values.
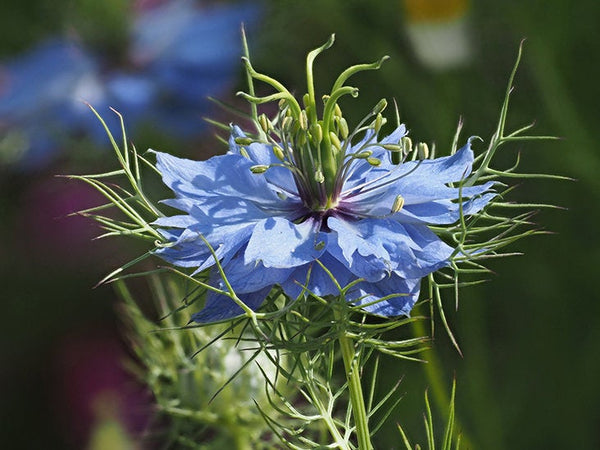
[180, 53]
[39, 95]
[267, 228]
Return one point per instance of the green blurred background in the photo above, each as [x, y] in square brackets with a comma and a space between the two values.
[530, 337]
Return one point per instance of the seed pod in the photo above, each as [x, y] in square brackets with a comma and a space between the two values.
[398, 204]
[261, 168]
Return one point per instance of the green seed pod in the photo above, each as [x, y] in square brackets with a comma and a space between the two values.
[243, 140]
[374, 161]
[335, 141]
[259, 168]
[364, 155]
[306, 100]
[380, 106]
[319, 178]
[392, 147]
[303, 120]
[343, 128]
[244, 152]
[317, 133]
[422, 150]
[406, 143]
[264, 123]
[337, 111]
[278, 151]
[398, 204]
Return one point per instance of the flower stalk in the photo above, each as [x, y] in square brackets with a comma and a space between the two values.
[357, 400]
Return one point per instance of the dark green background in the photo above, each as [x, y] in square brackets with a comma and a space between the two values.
[530, 337]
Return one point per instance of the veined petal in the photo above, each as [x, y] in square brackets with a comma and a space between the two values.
[253, 276]
[224, 175]
[402, 293]
[279, 178]
[358, 245]
[442, 212]
[316, 280]
[416, 250]
[279, 243]
[220, 307]
[374, 247]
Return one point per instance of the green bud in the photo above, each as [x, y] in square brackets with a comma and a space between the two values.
[282, 104]
[335, 141]
[319, 178]
[337, 111]
[374, 161]
[243, 140]
[301, 139]
[244, 152]
[287, 122]
[378, 123]
[259, 169]
[406, 143]
[343, 128]
[320, 245]
[264, 123]
[325, 98]
[317, 133]
[392, 147]
[422, 150]
[380, 106]
[278, 151]
[364, 155]
[303, 120]
[398, 204]
[306, 100]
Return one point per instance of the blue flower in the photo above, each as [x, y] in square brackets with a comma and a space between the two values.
[269, 222]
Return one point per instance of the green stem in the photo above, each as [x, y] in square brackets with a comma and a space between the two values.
[357, 401]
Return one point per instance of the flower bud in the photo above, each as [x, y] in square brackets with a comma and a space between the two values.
[244, 152]
[261, 168]
[422, 150]
[364, 155]
[406, 143]
[343, 125]
[278, 151]
[317, 133]
[392, 147]
[374, 161]
[398, 204]
[286, 124]
[320, 245]
[264, 123]
[303, 120]
[337, 111]
[335, 141]
[319, 178]
[380, 106]
[306, 100]
[242, 140]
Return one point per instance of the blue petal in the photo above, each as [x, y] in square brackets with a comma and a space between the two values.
[371, 248]
[280, 178]
[225, 175]
[359, 246]
[250, 277]
[405, 295]
[443, 211]
[316, 280]
[279, 243]
[220, 307]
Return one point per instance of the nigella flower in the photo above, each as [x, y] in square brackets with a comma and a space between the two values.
[303, 191]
